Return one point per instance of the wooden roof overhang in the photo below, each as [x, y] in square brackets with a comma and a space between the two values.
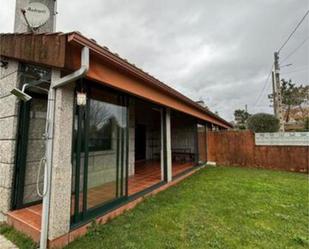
[63, 51]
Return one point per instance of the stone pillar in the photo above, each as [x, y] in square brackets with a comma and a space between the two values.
[131, 137]
[9, 79]
[20, 25]
[8, 131]
[168, 145]
[61, 178]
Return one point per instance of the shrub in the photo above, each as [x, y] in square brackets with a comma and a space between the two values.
[263, 122]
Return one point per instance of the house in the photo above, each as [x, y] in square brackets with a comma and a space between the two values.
[297, 119]
[114, 134]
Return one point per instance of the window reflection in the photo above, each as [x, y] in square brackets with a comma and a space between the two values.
[106, 132]
[31, 74]
[100, 141]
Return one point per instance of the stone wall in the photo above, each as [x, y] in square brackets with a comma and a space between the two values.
[183, 133]
[153, 143]
[8, 129]
[9, 79]
[61, 178]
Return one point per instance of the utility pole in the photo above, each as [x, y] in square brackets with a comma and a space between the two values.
[274, 91]
[277, 95]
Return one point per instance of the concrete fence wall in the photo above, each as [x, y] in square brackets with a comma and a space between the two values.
[238, 148]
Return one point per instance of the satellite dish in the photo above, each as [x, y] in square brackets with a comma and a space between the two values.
[36, 15]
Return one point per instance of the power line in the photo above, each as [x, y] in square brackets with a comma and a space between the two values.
[264, 87]
[295, 50]
[296, 71]
[300, 67]
[300, 22]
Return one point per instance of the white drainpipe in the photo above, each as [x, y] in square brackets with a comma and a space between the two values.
[49, 134]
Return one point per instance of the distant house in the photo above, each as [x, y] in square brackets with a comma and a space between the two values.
[297, 117]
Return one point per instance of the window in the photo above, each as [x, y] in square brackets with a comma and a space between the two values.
[100, 154]
[31, 74]
[100, 126]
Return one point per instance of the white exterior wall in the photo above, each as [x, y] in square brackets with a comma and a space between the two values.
[168, 145]
[131, 145]
[283, 138]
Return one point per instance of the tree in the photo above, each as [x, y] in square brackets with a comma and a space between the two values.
[263, 122]
[241, 117]
[304, 103]
[294, 97]
[306, 126]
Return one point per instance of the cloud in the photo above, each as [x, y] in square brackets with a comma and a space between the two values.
[218, 51]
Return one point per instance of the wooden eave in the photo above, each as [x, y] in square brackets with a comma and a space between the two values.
[63, 51]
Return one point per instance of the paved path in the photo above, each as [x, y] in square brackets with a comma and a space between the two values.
[6, 244]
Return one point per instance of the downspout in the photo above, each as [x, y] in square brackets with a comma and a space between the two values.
[49, 134]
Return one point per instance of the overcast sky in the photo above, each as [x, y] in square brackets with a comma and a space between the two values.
[219, 51]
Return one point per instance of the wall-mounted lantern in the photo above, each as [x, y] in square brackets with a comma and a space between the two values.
[81, 99]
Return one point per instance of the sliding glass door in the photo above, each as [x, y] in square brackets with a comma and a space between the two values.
[31, 149]
[100, 152]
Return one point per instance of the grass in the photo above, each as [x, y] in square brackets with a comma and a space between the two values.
[19, 239]
[215, 208]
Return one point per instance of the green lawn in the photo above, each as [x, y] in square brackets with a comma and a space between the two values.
[215, 208]
[19, 239]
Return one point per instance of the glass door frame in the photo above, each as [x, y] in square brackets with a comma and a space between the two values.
[22, 139]
[83, 214]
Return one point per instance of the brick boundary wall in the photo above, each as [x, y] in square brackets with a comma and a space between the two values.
[237, 148]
